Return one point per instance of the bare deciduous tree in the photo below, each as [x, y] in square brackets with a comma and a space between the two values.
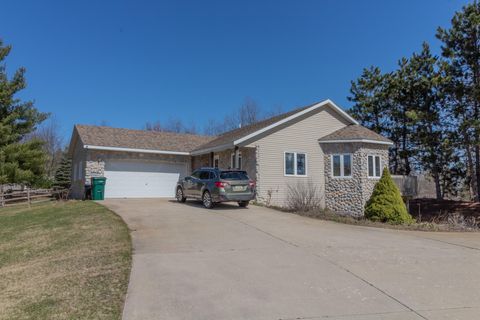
[249, 112]
[172, 125]
[49, 133]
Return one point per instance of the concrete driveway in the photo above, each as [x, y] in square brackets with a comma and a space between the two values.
[258, 263]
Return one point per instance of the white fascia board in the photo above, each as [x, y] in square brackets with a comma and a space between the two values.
[341, 111]
[296, 115]
[212, 149]
[357, 141]
[181, 153]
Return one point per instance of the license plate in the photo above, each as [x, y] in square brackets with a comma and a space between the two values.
[239, 188]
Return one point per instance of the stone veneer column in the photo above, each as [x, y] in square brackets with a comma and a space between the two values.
[347, 196]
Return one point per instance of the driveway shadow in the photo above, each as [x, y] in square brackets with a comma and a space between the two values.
[218, 206]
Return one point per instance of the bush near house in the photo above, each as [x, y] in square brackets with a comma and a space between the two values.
[386, 203]
[304, 196]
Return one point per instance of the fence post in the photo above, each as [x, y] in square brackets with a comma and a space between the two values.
[2, 198]
[28, 197]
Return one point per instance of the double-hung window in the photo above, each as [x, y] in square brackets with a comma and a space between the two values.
[374, 167]
[295, 164]
[342, 165]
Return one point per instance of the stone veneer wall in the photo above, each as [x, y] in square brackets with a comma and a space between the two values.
[349, 195]
[200, 161]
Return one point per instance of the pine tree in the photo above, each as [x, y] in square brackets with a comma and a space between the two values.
[461, 48]
[432, 127]
[386, 204]
[20, 161]
[370, 98]
[62, 175]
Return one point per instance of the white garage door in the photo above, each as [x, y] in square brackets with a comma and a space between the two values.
[142, 179]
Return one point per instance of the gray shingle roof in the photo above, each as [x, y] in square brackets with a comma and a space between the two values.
[139, 139]
[168, 141]
[354, 132]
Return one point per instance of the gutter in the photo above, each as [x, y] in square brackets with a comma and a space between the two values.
[212, 149]
[92, 147]
[357, 141]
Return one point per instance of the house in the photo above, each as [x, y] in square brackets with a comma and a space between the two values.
[318, 145]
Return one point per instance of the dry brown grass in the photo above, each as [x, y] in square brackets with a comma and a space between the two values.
[63, 260]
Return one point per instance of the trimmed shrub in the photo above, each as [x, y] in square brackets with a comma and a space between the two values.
[386, 204]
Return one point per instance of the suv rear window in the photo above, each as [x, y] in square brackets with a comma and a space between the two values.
[234, 175]
[204, 175]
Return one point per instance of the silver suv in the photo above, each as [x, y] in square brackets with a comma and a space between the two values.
[212, 185]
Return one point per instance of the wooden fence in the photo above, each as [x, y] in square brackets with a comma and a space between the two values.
[30, 196]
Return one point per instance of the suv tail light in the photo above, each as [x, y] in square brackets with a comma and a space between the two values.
[251, 183]
[220, 184]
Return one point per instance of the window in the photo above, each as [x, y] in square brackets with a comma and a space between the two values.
[212, 175]
[342, 165]
[234, 175]
[196, 175]
[233, 164]
[204, 175]
[301, 164]
[374, 167]
[215, 161]
[295, 164]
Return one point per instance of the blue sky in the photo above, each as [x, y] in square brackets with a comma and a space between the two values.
[129, 62]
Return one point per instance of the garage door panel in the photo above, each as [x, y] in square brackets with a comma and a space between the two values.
[142, 179]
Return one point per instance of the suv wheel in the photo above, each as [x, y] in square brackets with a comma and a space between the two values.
[207, 200]
[243, 204]
[180, 197]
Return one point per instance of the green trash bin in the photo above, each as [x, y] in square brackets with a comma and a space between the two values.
[98, 188]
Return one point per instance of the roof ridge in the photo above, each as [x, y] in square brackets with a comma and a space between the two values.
[147, 131]
[262, 123]
[293, 111]
[354, 132]
[138, 139]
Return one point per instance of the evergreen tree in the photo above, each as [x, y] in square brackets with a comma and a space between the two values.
[400, 122]
[63, 173]
[20, 162]
[461, 48]
[386, 203]
[408, 106]
[433, 131]
[369, 93]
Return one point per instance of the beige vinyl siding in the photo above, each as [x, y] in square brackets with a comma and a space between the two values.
[301, 136]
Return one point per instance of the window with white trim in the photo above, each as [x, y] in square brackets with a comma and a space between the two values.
[295, 164]
[342, 165]
[374, 166]
[216, 159]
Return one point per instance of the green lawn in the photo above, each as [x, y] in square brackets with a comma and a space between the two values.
[63, 260]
